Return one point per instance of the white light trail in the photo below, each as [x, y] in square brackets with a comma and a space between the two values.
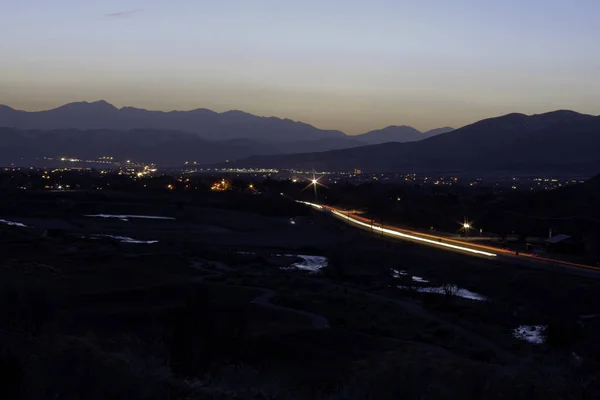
[412, 237]
[311, 204]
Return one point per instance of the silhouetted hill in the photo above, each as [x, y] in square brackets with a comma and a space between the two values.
[206, 123]
[560, 141]
[400, 134]
[572, 202]
[160, 147]
[571, 210]
[391, 134]
[437, 131]
[163, 147]
[261, 135]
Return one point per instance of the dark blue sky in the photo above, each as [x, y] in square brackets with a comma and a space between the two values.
[349, 65]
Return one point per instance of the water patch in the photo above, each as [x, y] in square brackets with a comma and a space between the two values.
[127, 217]
[400, 273]
[308, 263]
[125, 239]
[397, 273]
[451, 290]
[12, 223]
[531, 333]
[311, 263]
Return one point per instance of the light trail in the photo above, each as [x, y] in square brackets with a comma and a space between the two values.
[479, 249]
[319, 207]
[413, 237]
[425, 235]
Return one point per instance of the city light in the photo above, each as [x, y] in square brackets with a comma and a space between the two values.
[220, 186]
[314, 182]
[466, 226]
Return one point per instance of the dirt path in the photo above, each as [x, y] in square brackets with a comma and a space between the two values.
[264, 299]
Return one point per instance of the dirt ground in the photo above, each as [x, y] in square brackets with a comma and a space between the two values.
[210, 311]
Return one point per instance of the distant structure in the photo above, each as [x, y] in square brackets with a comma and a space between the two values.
[357, 171]
[564, 244]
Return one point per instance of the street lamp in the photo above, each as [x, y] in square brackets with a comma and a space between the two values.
[313, 182]
[466, 227]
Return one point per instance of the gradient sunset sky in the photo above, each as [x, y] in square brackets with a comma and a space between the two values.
[337, 64]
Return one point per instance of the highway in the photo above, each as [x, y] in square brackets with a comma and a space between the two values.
[445, 243]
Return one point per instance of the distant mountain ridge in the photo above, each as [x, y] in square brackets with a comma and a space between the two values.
[401, 134]
[559, 141]
[211, 125]
[206, 123]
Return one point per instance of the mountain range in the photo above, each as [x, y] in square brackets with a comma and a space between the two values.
[94, 129]
[556, 142]
[208, 124]
[400, 134]
[559, 142]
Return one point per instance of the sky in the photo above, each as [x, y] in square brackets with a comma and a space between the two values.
[337, 64]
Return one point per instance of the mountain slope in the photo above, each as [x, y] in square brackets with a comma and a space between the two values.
[562, 141]
[437, 131]
[399, 134]
[163, 147]
[392, 133]
[284, 134]
[170, 148]
[206, 123]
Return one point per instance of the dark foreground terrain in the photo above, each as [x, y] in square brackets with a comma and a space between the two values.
[216, 309]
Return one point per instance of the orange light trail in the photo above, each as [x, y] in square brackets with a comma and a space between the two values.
[479, 249]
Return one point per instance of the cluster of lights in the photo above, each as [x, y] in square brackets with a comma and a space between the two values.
[101, 160]
[220, 186]
[146, 171]
[241, 170]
